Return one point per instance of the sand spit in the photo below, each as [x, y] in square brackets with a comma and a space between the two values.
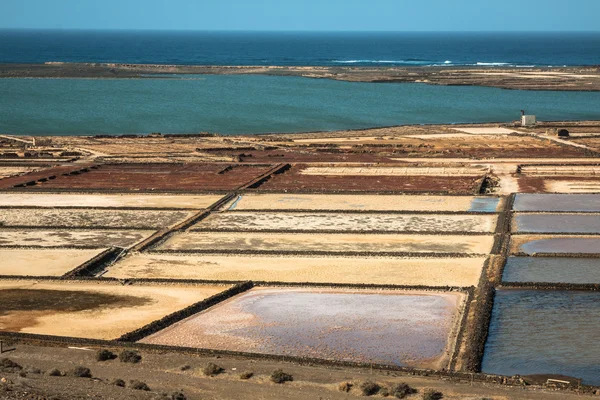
[90, 310]
[42, 262]
[342, 202]
[391, 327]
[460, 272]
[256, 221]
[107, 200]
[571, 78]
[99, 238]
[336, 243]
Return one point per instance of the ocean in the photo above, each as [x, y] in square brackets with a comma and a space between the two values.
[263, 104]
[301, 48]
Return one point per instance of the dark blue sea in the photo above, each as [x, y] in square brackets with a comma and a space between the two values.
[301, 48]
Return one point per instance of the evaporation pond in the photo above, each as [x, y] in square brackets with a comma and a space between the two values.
[552, 270]
[554, 223]
[485, 204]
[557, 202]
[545, 332]
[581, 245]
[405, 328]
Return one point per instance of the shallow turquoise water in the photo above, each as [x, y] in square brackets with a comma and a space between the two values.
[552, 269]
[260, 104]
[539, 332]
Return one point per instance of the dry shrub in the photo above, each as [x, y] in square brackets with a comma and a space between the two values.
[80, 372]
[212, 369]
[105, 355]
[432, 394]
[369, 388]
[130, 356]
[118, 382]
[278, 376]
[345, 387]
[138, 385]
[246, 375]
[8, 365]
[401, 390]
[55, 372]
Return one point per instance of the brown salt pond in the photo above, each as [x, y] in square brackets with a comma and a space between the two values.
[407, 328]
[327, 242]
[90, 310]
[461, 272]
[257, 221]
[43, 262]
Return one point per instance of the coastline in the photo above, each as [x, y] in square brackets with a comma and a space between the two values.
[585, 78]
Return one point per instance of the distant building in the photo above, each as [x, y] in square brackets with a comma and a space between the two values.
[527, 120]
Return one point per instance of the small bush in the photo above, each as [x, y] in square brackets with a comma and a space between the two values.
[129, 356]
[401, 390]
[345, 387]
[178, 396]
[23, 374]
[212, 369]
[278, 376]
[8, 365]
[369, 388]
[105, 355]
[138, 385]
[36, 371]
[118, 382]
[80, 372]
[246, 375]
[432, 394]
[54, 372]
[185, 368]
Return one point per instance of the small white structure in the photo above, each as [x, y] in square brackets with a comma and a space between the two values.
[527, 120]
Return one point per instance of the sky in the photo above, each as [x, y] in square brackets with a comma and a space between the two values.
[304, 15]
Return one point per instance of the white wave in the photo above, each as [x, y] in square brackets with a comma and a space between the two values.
[382, 62]
[492, 64]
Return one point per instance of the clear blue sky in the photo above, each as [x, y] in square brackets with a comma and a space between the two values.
[372, 15]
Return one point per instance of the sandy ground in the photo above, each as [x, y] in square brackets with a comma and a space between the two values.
[54, 262]
[332, 202]
[336, 243]
[339, 222]
[16, 170]
[129, 307]
[149, 219]
[392, 327]
[162, 372]
[487, 131]
[392, 171]
[561, 186]
[107, 200]
[71, 238]
[461, 272]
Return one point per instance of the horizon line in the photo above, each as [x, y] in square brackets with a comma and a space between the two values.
[288, 30]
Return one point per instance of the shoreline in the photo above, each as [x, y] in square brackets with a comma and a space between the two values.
[584, 78]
